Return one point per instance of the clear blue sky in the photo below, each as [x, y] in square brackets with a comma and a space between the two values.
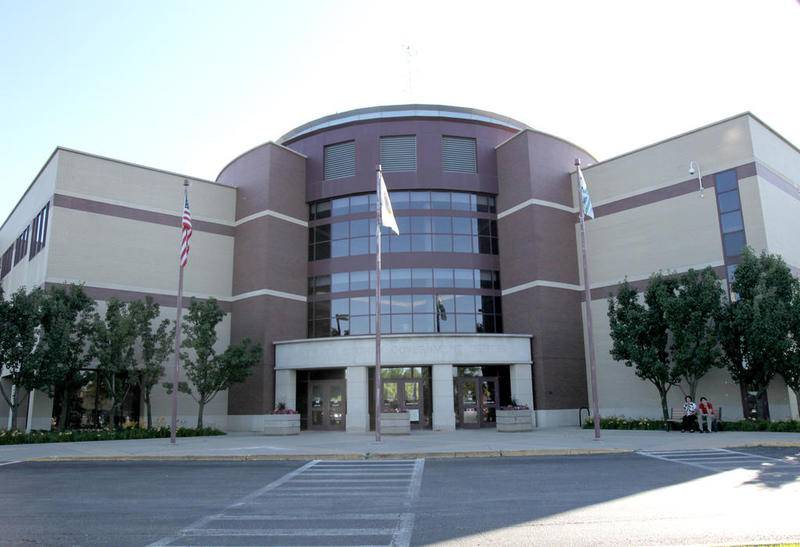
[187, 85]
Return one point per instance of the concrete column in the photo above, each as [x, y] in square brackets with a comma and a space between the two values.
[286, 388]
[522, 385]
[444, 416]
[794, 410]
[357, 419]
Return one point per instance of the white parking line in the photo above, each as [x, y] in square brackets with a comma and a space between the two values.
[719, 459]
[8, 463]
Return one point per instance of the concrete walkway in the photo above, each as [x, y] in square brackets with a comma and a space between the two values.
[428, 444]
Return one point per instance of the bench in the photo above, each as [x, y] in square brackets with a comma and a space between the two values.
[677, 413]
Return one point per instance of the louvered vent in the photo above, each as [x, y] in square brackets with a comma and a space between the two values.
[458, 155]
[399, 153]
[340, 160]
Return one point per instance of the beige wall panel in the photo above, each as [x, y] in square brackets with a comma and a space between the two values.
[121, 253]
[775, 152]
[715, 148]
[781, 221]
[103, 179]
[29, 273]
[674, 234]
[752, 213]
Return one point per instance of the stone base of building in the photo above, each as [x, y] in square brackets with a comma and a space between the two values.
[557, 418]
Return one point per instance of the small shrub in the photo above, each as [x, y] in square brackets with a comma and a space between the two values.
[646, 424]
[78, 435]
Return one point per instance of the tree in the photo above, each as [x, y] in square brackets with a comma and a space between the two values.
[112, 346]
[639, 334]
[755, 330]
[209, 372]
[61, 353]
[155, 346]
[19, 316]
[692, 319]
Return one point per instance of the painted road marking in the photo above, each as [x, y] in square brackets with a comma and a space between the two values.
[266, 514]
[720, 459]
[8, 463]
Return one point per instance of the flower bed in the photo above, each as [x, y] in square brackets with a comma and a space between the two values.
[282, 421]
[514, 418]
[395, 423]
[77, 435]
[646, 424]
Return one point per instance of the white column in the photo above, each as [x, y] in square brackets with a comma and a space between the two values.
[357, 419]
[29, 424]
[286, 388]
[444, 416]
[794, 410]
[522, 385]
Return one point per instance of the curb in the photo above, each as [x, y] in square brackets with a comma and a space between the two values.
[343, 457]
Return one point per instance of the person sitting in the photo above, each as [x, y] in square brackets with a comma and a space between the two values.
[705, 411]
[689, 414]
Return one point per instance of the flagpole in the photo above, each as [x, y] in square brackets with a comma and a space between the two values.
[378, 391]
[174, 422]
[588, 297]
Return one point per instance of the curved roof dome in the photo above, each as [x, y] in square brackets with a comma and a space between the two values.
[402, 111]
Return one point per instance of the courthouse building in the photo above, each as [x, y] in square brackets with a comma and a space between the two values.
[482, 290]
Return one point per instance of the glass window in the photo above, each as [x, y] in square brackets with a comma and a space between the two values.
[465, 322]
[401, 278]
[482, 203]
[322, 309]
[462, 244]
[339, 248]
[463, 278]
[359, 246]
[401, 303]
[484, 227]
[446, 323]
[486, 278]
[731, 222]
[731, 272]
[322, 233]
[462, 225]
[729, 201]
[460, 201]
[423, 322]
[485, 245]
[359, 281]
[733, 243]
[323, 284]
[443, 243]
[400, 244]
[440, 200]
[421, 277]
[442, 277]
[359, 228]
[726, 181]
[465, 303]
[323, 209]
[340, 206]
[404, 224]
[359, 305]
[420, 200]
[359, 325]
[485, 304]
[373, 201]
[340, 230]
[339, 306]
[322, 251]
[442, 225]
[445, 304]
[399, 200]
[322, 327]
[422, 303]
[340, 282]
[359, 204]
[420, 225]
[401, 323]
[421, 243]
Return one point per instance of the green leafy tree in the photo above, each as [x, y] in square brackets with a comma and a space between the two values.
[640, 334]
[208, 371]
[756, 325]
[154, 347]
[112, 346]
[19, 317]
[692, 319]
[791, 367]
[62, 351]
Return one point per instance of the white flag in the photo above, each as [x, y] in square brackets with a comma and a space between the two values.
[586, 201]
[387, 214]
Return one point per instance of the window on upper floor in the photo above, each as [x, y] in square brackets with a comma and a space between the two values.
[340, 160]
[6, 264]
[398, 153]
[21, 245]
[459, 155]
[39, 232]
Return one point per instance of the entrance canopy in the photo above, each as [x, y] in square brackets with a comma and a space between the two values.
[403, 350]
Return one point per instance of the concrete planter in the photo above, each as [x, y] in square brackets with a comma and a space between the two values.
[511, 421]
[282, 424]
[395, 423]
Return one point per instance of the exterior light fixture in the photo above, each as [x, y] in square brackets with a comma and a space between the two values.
[695, 168]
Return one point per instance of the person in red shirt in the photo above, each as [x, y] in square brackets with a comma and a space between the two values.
[705, 411]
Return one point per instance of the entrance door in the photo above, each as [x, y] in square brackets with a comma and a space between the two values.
[475, 401]
[404, 395]
[326, 404]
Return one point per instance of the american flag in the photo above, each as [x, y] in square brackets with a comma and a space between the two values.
[186, 231]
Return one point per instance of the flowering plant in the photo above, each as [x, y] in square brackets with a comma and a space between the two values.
[280, 408]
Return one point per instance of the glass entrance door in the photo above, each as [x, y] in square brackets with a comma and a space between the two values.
[475, 401]
[326, 404]
[404, 395]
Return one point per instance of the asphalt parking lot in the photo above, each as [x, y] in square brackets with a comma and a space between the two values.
[681, 497]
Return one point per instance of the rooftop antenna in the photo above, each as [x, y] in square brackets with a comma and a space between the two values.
[410, 54]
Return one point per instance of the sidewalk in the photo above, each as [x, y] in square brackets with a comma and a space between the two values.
[428, 444]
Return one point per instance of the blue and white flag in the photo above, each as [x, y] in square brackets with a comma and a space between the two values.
[586, 201]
